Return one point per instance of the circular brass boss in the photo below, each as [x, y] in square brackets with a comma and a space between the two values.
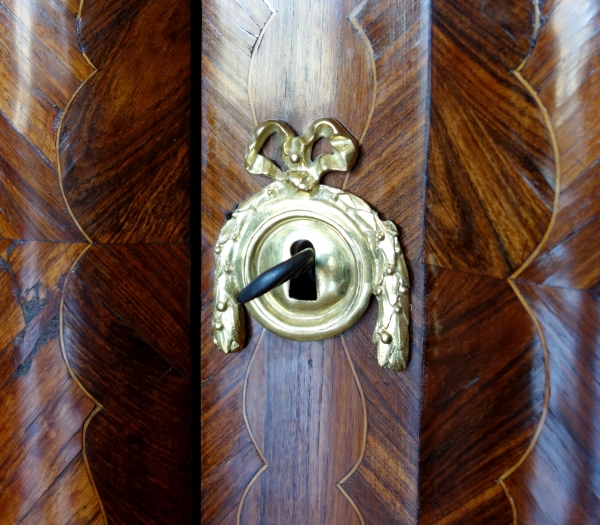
[343, 267]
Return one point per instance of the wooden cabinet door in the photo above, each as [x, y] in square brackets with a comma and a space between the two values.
[478, 125]
[95, 362]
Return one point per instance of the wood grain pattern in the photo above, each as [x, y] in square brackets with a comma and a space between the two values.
[305, 412]
[385, 486]
[42, 408]
[483, 395]
[42, 66]
[315, 48]
[241, 42]
[563, 70]
[552, 482]
[229, 459]
[124, 142]
[226, 117]
[139, 444]
[565, 461]
[508, 222]
[32, 207]
[120, 146]
[57, 505]
[394, 148]
[490, 191]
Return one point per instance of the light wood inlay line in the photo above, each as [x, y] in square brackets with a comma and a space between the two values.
[361, 31]
[364, 438]
[245, 413]
[510, 499]
[59, 129]
[532, 256]
[85, 459]
[363, 35]
[542, 420]
[66, 359]
[550, 127]
[252, 68]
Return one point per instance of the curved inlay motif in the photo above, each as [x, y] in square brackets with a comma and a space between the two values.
[313, 50]
[532, 256]
[41, 467]
[131, 364]
[122, 147]
[98, 406]
[61, 318]
[306, 417]
[58, 133]
[476, 229]
[544, 413]
[364, 440]
[306, 102]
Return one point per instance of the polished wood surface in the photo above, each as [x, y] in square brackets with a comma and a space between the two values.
[476, 422]
[540, 446]
[492, 171]
[498, 402]
[307, 419]
[124, 144]
[564, 73]
[94, 358]
[138, 444]
[564, 461]
[294, 449]
[43, 410]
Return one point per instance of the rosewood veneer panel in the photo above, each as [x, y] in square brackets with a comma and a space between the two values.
[564, 69]
[57, 504]
[558, 73]
[43, 410]
[133, 191]
[559, 483]
[139, 443]
[229, 460]
[31, 204]
[390, 173]
[490, 188]
[124, 144]
[305, 413]
[41, 407]
[385, 484]
[42, 66]
[483, 396]
[387, 113]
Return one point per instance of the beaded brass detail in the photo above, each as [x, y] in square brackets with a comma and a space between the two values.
[356, 253]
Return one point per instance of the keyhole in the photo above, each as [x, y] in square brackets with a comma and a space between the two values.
[303, 287]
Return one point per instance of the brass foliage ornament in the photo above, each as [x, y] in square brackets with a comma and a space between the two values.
[357, 254]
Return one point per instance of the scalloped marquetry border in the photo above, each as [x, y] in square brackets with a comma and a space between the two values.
[245, 414]
[550, 128]
[98, 406]
[264, 459]
[363, 35]
[59, 129]
[364, 437]
[250, 87]
[511, 280]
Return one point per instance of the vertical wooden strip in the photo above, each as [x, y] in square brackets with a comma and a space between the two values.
[484, 395]
[305, 412]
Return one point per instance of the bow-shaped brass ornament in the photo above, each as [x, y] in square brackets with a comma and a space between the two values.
[357, 254]
[296, 152]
